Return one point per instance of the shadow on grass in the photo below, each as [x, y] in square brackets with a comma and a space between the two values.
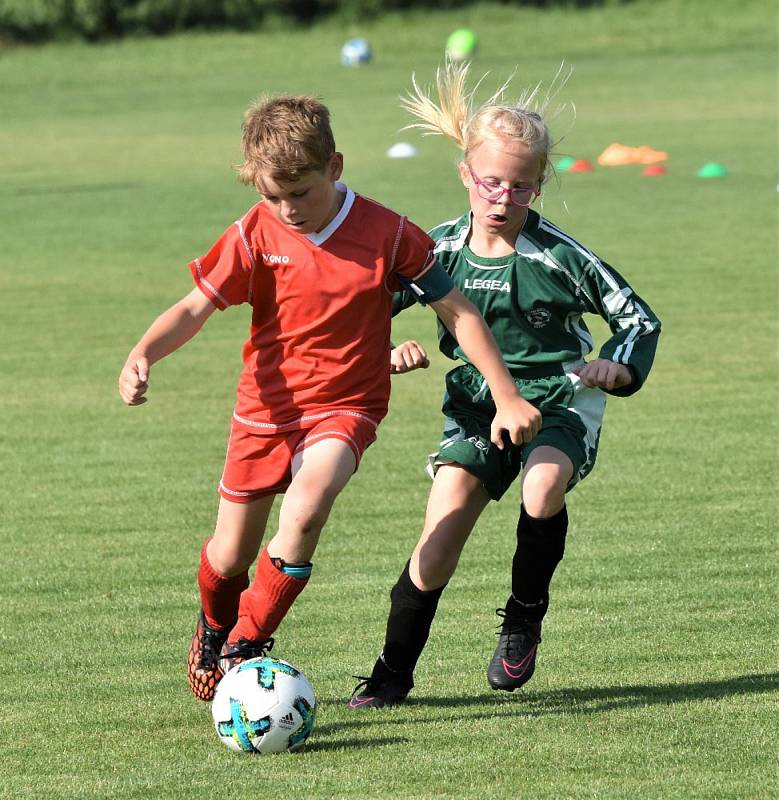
[316, 745]
[605, 698]
[593, 700]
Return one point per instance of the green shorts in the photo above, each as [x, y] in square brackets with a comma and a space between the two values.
[571, 415]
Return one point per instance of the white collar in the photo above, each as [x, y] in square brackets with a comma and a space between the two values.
[322, 236]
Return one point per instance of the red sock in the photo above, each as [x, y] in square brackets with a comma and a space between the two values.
[265, 603]
[219, 596]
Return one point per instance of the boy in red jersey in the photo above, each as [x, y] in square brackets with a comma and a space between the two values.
[318, 264]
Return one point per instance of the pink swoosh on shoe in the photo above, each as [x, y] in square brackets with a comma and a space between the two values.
[361, 701]
[516, 670]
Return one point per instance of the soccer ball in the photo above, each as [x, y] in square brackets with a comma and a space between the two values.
[264, 705]
[355, 52]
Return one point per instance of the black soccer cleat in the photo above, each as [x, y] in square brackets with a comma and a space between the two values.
[203, 671]
[385, 687]
[234, 653]
[514, 661]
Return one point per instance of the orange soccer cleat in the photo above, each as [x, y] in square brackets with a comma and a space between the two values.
[203, 668]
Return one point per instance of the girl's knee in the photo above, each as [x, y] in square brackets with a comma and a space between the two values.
[543, 489]
[434, 567]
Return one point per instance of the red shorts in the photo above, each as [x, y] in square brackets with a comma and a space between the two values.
[260, 465]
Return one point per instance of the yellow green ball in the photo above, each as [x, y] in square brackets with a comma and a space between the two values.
[461, 45]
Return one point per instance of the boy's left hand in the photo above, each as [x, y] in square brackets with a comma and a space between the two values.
[408, 356]
[604, 374]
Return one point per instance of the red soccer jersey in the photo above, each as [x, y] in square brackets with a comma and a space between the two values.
[319, 341]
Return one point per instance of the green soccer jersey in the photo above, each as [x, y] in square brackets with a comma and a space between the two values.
[533, 300]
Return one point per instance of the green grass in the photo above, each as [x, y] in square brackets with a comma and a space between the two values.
[658, 673]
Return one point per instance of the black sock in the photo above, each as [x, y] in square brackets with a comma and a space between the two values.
[540, 547]
[408, 625]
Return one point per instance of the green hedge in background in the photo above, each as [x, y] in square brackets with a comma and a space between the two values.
[41, 20]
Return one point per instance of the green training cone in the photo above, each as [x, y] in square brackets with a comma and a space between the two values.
[564, 164]
[712, 170]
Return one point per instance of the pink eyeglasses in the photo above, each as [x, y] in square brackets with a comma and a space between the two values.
[518, 195]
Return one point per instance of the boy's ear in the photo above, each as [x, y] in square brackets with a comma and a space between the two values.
[336, 166]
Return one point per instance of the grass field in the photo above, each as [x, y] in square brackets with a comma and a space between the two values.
[658, 672]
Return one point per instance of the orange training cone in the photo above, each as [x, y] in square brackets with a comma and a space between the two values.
[616, 155]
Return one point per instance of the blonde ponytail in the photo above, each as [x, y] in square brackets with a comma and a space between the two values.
[453, 114]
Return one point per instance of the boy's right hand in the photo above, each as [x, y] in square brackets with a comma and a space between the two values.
[134, 380]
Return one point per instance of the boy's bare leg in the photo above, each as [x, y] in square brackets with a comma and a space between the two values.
[238, 535]
[224, 573]
[320, 472]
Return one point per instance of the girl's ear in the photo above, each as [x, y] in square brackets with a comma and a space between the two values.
[465, 175]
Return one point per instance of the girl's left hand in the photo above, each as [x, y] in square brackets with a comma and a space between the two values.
[604, 374]
[408, 356]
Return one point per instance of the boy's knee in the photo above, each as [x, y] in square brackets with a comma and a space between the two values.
[227, 559]
[311, 524]
[306, 519]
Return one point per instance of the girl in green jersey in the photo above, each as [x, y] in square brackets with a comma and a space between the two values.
[532, 283]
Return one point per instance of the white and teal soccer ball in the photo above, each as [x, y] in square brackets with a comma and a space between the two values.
[264, 705]
[356, 52]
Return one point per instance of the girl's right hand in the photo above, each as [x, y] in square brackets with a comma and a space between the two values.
[520, 420]
[408, 356]
[134, 380]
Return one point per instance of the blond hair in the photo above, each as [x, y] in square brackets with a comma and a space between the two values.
[285, 137]
[454, 115]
